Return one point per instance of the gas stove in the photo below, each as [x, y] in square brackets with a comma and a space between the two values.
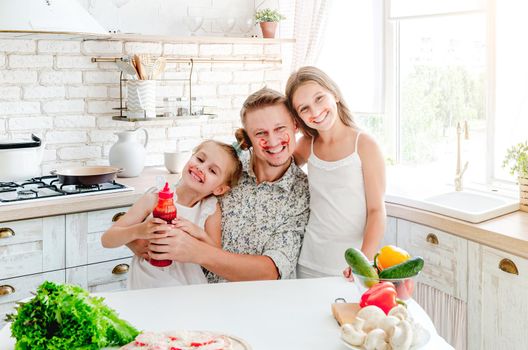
[49, 187]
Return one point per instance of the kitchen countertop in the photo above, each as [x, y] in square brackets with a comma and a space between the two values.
[279, 315]
[508, 232]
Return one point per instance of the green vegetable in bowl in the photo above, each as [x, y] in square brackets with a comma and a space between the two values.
[359, 263]
[63, 316]
[406, 269]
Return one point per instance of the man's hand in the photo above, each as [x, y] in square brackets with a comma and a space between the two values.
[178, 246]
[139, 247]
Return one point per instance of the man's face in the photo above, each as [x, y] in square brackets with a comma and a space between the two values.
[271, 130]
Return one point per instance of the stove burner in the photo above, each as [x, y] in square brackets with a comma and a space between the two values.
[24, 194]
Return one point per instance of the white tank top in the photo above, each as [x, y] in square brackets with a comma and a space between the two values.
[338, 212]
[143, 275]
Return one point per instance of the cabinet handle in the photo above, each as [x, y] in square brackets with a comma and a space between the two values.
[431, 238]
[118, 216]
[508, 266]
[6, 290]
[6, 232]
[120, 269]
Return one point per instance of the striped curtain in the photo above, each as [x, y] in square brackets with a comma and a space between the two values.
[449, 314]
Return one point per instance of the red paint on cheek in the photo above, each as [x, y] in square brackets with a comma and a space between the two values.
[286, 140]
[263, 143]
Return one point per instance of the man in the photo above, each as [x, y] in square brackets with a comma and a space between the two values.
[263, 218]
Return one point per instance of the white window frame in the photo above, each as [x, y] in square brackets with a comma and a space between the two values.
[391, 84]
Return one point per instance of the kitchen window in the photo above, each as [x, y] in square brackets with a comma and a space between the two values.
[447, 63]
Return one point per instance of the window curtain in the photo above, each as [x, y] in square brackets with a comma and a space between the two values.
[310, 18]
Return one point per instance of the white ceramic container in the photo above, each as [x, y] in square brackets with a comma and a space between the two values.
[128, 153]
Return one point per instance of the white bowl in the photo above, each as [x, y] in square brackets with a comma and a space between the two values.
[175, 161]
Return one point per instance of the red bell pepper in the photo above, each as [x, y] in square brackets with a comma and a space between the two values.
[382, 295]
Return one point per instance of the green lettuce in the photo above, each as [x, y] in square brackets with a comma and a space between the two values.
[63, 316]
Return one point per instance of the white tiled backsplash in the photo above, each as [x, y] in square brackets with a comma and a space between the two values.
[51, 88]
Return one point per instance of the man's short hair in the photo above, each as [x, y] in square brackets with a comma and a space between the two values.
[259, 99]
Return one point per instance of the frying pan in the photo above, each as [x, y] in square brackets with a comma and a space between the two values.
[86, 175]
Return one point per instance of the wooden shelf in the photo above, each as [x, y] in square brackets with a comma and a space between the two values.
[11, 34]
[161, 118]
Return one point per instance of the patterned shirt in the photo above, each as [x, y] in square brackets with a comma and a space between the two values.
[266, 218]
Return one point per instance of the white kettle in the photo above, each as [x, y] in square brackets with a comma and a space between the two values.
[20, 159]
[128, 153]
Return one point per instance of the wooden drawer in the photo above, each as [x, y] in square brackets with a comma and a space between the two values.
[31, 246]
[101, 277]
[22, 288]
[83, 237]
[445, 257]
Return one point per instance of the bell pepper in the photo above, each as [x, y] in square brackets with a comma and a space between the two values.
[389, 256]
[382, 295]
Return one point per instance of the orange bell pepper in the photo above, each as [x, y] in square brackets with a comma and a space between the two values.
[389, 256]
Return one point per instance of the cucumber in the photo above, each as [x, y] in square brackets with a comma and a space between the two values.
[359, 263]
[406, 269]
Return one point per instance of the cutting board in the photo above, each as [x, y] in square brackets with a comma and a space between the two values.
[345, 312]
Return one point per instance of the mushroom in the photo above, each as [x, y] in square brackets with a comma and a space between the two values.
[388, 323]
[401, 336]
[399, 311]
[353, 335]
[376, 340]
[372, 316]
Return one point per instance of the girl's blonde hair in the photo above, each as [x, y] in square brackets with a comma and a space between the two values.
[232, 176]
[259, 99]
[313, 74]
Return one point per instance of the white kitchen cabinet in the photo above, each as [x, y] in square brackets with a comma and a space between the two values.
[441, 287]
[65, 248]
[445, 257]
[31, 246]
[101, 277]
[498, 299]
[15, 289]
[83, 237]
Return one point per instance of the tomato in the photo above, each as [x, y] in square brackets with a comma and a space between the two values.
[389, 256]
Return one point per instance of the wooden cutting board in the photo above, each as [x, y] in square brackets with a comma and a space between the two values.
[345, 312]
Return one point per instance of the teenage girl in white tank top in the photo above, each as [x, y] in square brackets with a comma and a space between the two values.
[346, 175]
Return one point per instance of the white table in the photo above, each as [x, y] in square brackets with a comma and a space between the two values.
[269, 315]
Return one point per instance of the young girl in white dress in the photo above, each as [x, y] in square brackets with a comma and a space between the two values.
[346, 175]
[213, 169]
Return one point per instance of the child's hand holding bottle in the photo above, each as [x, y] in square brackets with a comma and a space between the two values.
[191, 228]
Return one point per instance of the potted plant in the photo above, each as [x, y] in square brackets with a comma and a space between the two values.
[516, 161]
[268, 20]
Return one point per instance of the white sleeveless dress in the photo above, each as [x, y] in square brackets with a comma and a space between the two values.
[143, 275]
[338, 213]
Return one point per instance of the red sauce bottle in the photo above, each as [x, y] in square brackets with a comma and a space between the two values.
[165, 210]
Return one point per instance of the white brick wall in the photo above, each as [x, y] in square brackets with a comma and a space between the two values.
[19, 46]
[43, 92]
[9, 93]
[62, 47]
[53, 89]
[30, 61]
[60, 77]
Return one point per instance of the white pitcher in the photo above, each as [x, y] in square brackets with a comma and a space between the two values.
[128, 153]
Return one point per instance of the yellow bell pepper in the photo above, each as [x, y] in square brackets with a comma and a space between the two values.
[389, 256]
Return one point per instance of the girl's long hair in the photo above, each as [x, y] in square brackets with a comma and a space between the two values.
[314, 74]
